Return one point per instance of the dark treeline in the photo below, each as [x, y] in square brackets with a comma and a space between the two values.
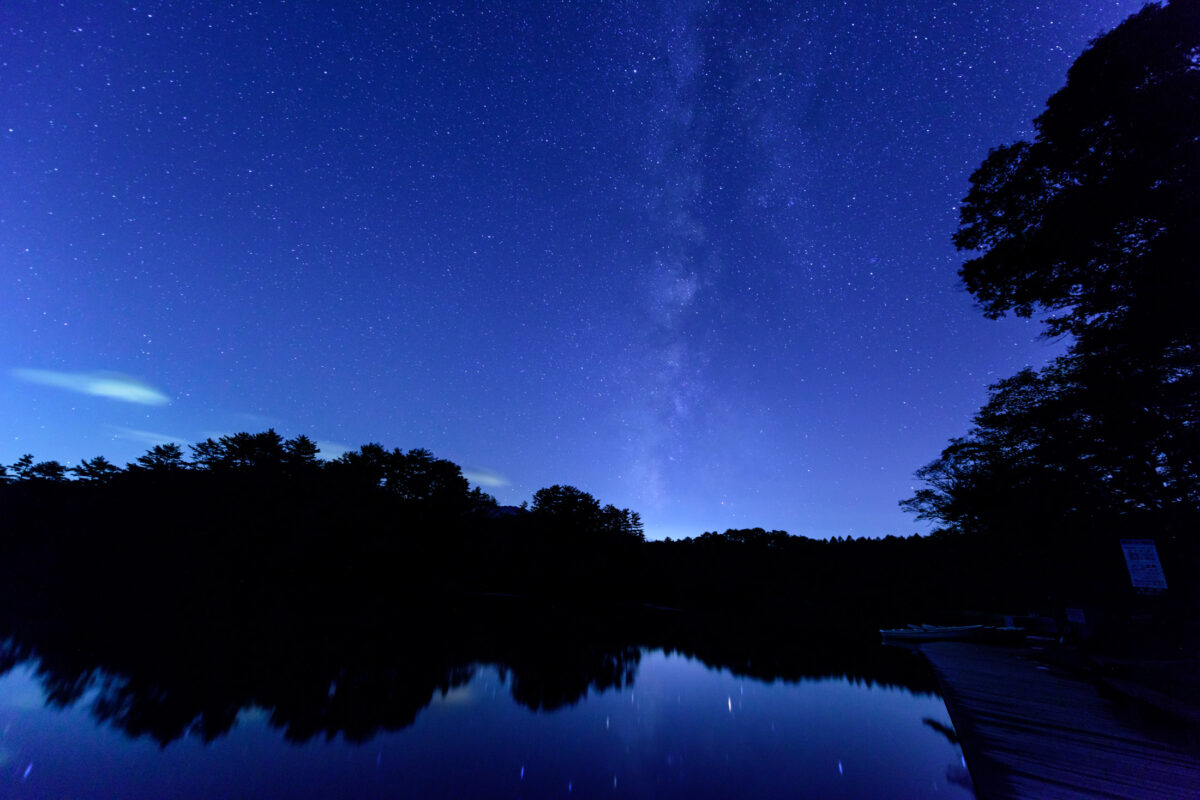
[256, 524]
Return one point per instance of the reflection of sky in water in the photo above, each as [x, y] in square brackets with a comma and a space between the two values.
[681, 730]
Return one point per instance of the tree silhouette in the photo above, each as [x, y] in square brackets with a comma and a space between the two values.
[367, 466]
[1096, 219]
[97, 470]
[48, 471]
[301, 453]
[567, 507]
[418, 477]
[264, 450]
[621, 523]
[25, 469]
[209, 454]
[1034, 457]
[22, 468]
[250, 450]
[415, 478]
[160, 458]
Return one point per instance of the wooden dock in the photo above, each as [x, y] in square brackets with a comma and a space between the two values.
[1033, 732]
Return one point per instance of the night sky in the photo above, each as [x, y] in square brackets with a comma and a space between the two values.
[692, 258]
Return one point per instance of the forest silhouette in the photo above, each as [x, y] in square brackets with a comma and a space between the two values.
[255, 524]
[254, 521]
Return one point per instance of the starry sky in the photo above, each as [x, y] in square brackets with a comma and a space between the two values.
[693, 258]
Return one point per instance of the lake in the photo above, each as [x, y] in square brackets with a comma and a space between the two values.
[612, 722]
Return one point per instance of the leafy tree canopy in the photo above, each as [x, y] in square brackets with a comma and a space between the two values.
[160, 458]
[98, 469]
[566, 503]
[1098, 219]
[413, 477]
[241, 450]
[571, 508]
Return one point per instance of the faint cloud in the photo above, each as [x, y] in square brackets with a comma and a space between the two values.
[485, 477]
[98, 384]
[151, 438]
[332, 450]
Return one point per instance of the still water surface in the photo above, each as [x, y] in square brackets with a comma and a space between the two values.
[680, 729]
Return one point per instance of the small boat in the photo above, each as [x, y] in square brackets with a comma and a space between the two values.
[932, 633]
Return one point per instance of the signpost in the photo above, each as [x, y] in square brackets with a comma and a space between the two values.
[1145, 570]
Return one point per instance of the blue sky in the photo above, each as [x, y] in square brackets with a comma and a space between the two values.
[692, 258]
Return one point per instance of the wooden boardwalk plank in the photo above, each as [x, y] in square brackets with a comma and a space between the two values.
[1032, 732]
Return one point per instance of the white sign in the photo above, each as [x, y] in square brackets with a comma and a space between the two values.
[1145, 570]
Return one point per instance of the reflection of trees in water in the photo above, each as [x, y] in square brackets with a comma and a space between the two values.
[542, 683]
[364, 699]
[170, 686]
[168, 683]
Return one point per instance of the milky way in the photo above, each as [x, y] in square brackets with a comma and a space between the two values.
[693, 258]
